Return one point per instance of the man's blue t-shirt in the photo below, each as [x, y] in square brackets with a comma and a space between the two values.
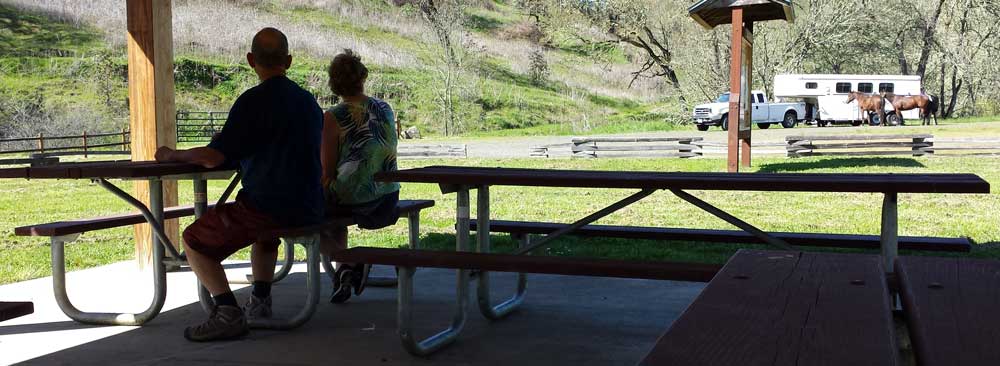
[274, 131]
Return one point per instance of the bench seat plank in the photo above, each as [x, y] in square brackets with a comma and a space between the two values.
[951, 308]
[67, 227]
[11, 310]
[729, 236]
[404, 207]
[530, 264]
[786, 308]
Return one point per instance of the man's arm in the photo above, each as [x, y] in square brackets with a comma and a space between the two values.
[204, 156]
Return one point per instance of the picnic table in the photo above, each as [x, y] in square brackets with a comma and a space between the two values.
[154, 214]
[835, 309]
[460, 180]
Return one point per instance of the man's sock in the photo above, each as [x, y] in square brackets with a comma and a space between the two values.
[225, 298]
[261, 289]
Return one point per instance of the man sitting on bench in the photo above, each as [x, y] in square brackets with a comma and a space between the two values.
[274, 133]
[358, 141]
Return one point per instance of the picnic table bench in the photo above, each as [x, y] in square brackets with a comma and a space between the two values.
[62, 232]
[15, 309]
[460, 180]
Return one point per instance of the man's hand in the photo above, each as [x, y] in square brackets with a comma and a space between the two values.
[164, 154]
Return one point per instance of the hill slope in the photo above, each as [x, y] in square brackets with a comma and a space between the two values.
[63, 66]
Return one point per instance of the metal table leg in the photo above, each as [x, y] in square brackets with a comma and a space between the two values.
[311, 243]
[405, 288]
[483, 290]
[890, 230]
[153, 215]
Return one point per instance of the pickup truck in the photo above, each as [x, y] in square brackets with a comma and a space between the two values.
[764, 114]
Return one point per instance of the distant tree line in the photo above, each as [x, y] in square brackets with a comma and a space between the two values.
[954, 45]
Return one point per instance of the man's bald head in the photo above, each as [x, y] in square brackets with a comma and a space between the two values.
[270, 49]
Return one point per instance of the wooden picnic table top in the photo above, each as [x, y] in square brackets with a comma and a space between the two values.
[951, 309]
[813, 182]
[786, 308]
[106, 169]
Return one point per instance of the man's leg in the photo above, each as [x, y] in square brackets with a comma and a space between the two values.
[207, 242]
[263, 258]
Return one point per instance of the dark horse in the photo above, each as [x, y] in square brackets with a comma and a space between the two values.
[868, 103]
[928, 105]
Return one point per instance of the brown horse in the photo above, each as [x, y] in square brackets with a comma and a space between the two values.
[868, 103]
[927, 103]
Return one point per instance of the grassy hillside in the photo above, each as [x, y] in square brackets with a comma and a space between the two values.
[64, 68]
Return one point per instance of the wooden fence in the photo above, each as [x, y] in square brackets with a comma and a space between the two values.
[857, 145]
[592, 147]
[431, 151]
[85, 144]
[195, 126]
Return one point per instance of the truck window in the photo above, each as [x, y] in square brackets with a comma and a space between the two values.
[812, 85]
[760, 98]
[886, 88]
[843, 88]
[865, 87]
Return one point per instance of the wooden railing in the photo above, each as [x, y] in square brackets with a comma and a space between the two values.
[83, 144]
[199, 126]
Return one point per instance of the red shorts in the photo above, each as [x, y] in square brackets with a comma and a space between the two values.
[222, 231]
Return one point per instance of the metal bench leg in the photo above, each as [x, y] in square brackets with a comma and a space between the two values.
[405, 299]
[282, 272]
[483, 289]
[62, 298]
[312, 287]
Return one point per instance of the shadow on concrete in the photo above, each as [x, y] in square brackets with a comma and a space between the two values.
[840, 163]
[565, 321]
[43, 327]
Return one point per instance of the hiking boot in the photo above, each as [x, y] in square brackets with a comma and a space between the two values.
[257, 308]
[226, 322]
[349, 277]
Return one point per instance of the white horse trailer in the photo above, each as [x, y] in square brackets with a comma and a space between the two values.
[828, 93]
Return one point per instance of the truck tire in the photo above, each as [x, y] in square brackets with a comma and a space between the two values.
[724, 123]
[702, 127]
[855, 123]
[893, 120]
[789, 121]
[821, 123]
[763, 126]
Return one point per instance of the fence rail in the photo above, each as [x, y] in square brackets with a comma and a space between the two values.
[194, 126]
[84, 144]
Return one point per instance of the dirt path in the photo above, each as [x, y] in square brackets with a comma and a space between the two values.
[519, 147]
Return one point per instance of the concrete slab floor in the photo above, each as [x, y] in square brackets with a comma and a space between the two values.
[564, 321]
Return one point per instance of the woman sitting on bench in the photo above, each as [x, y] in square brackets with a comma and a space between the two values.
[359, 140]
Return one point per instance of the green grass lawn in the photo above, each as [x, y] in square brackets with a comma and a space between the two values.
[976, 216]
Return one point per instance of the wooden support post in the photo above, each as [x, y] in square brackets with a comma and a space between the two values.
[733, 161]
[85, 144]
[151, 100]
[41, 143]
[124, 139]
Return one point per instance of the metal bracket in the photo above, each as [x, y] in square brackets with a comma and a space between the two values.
[725, 216]
[587, 220]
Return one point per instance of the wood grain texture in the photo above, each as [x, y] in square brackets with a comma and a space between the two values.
[151, 101]
[11, 310]
[951, 309]
[786, 308]
[729, 236]
[530, 264]
[817, 182]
